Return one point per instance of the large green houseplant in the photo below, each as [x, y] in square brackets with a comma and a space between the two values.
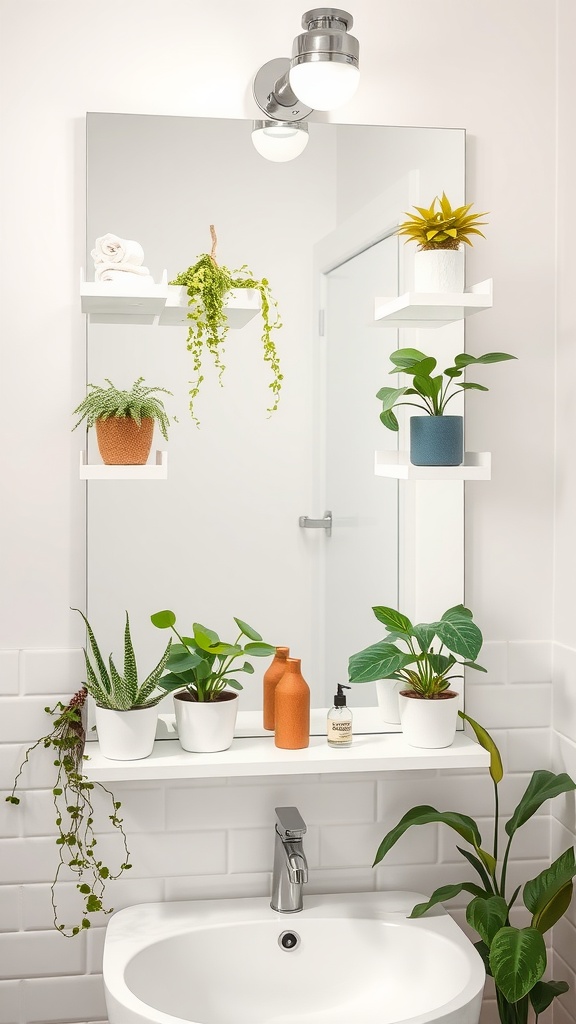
[207, 284]
[124, 420]
[514, 956]
[201, 674]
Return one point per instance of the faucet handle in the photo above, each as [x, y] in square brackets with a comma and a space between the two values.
[290, 824]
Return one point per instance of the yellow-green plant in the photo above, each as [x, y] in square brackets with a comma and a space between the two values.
[441, 227]
[207, 284]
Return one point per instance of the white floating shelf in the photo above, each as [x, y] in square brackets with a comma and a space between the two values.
[258, 756]
[125, 301]
[242, 305]
[431, 309]
[157, 470]
[397, 465]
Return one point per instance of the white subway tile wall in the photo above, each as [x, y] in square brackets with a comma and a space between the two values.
[563, 821]
[204, 840]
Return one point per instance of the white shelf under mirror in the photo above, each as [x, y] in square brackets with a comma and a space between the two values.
[242, 305]
[397, 465]
[157, 470]
[431, 309]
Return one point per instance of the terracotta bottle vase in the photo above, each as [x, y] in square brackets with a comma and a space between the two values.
[292, 708]
[272, 677]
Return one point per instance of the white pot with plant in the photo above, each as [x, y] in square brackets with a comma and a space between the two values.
[436, 439]
[438, 231]
[198, 675]
[126, 715]
[425, 658]
[124, 421]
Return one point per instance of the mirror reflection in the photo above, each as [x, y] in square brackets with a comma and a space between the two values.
[220, 537]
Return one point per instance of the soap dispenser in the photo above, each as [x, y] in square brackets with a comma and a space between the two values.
[339, 723]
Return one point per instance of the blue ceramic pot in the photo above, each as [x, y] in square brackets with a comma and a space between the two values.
[437, 440]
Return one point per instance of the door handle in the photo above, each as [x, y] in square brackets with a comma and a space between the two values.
[306, 523]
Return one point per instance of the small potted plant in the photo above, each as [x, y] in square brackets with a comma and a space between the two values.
[126, 713]
[199, 676]
[514, 956]
[124, 420]
[436, 439]
[207, 285]
[438, 232]
[425, 658]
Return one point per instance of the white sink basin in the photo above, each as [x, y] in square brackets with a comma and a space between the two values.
[358, 961]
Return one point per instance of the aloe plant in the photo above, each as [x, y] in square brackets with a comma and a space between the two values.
[123, 692]
[514, 957]
[442, 227]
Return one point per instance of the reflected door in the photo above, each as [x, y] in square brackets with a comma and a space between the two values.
[360, 565]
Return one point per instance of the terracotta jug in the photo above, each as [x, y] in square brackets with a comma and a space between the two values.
[292, 708]
[272, 677]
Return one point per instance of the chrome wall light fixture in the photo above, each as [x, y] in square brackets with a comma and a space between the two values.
[322, 74]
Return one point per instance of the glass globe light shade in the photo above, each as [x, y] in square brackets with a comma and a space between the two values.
[324, 84]
[279, 141]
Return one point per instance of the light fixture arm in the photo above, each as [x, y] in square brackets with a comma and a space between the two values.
[274, 94]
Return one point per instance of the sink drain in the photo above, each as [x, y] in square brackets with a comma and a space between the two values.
[288, 941]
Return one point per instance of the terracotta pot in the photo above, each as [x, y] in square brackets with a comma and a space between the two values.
[122, 442]
[292, 708]
[428, 722]
[206, 726]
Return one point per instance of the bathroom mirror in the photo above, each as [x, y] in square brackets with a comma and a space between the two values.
[220, 537]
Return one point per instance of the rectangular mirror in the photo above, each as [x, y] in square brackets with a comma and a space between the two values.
[220, 537]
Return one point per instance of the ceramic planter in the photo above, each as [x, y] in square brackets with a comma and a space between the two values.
[429, 723]
[387, 691]
[439, 270]
[121, 442]
[126, 735]
[436, 440]
[206, 726]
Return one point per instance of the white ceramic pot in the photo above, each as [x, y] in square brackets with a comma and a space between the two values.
[126, 735]
[429, 723]
[387, 691]
[439, 270]
[206, 726]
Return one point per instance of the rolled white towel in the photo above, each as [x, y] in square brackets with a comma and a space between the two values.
[124, 271]
[135, 282]
[111, 249]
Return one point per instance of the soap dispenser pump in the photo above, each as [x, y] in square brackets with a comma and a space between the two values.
[339, 724]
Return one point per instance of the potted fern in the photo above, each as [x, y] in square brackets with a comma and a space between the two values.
[439, 230]
[207, 285]
[126, 713]
[124, 420]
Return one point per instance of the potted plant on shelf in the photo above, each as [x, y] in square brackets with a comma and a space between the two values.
[425, 658]
[124, 420]
[514, 956]
[436, 439]
[199, 676]
[76, 814]
[126, 715]
[207, 284]
[438, 232]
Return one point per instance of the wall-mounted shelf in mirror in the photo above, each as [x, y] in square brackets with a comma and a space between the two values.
[431, 309]
[242, 305]
[157, 470]
[397, 466]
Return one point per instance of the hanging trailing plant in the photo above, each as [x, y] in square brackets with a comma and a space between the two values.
[207, 284]
[72, 794]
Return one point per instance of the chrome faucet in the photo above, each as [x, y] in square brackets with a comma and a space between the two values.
[290, 866]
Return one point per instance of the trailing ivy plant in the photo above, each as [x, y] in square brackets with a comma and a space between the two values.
[207, 284]
[514, 957]
[72, 793]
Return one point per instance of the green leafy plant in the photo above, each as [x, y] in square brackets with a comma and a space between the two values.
[121, 692]
[207, 285]
[410, 654]
[432, 392]
[441, 227]
[72, 793]
[201, 663]
[515, 957]
[137, 404]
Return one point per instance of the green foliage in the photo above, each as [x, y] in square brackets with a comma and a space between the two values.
[72, 794]
[514, 957]
[442, 228]
[201, 663]
[137, 404]
[207, 284]
[121, 692]
[408, 653]
[432, 393]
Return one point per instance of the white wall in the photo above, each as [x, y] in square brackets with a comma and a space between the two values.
[489, 68]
